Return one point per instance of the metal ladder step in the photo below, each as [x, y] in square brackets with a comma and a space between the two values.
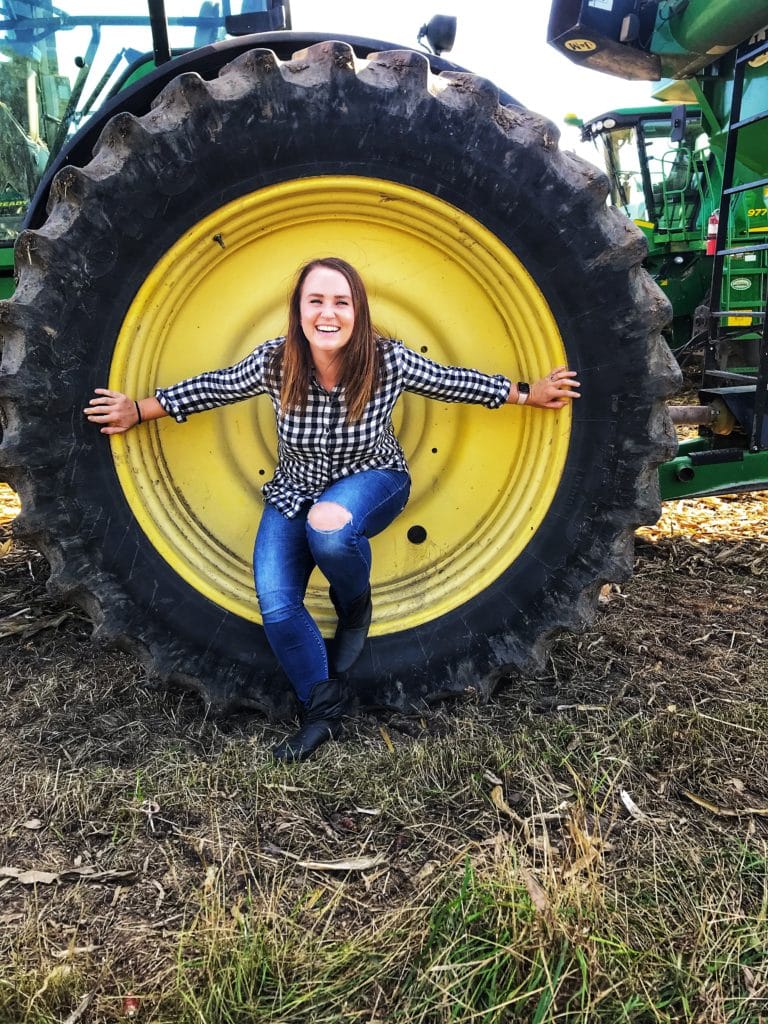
[754, 119]
[738, 312]
[742, 249]
[745, 188]
[756, 51]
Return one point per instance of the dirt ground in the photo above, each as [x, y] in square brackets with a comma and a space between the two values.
[118, 792]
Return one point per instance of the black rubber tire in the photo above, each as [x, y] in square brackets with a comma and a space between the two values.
[80, 271]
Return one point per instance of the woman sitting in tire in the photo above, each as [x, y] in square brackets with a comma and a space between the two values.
[341, 475]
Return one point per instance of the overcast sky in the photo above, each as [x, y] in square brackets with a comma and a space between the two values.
[503, 40]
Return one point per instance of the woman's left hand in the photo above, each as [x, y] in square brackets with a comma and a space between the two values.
[555, 390]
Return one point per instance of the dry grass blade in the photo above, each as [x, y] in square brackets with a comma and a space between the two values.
[631, 806]
[87, 874]
[719, 809]
[79, 1012]
[538, 896]
[387, 739]
[30, 626]
[30, 877]
[350, 864]
[498, 801]
[72, 951]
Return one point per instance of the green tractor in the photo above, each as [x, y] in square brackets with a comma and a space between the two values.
[666, 178]
[168, 170]
[665, 165]
[694, 177]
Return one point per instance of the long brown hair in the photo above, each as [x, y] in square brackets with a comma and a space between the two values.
[359, 358]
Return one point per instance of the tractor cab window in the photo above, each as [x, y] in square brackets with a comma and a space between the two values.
[619, 148]
[653, 179]
[59, 62]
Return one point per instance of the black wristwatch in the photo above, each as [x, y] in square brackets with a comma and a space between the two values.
[523, 391]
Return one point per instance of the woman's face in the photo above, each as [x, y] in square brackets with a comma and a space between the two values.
[327, 313]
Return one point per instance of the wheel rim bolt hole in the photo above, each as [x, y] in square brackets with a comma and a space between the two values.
[417, 535]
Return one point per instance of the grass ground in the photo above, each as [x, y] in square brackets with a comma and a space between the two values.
[591, 846]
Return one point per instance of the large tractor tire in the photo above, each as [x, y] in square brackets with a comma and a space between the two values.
[173, 251]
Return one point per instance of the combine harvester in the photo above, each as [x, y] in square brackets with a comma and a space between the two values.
[693, 176]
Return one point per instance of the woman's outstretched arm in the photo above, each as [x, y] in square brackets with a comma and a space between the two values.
[116, 413]
[460, 384]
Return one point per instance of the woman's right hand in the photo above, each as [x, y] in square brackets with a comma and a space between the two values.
[112, 411]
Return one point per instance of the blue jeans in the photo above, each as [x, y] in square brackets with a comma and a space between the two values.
[287, 550]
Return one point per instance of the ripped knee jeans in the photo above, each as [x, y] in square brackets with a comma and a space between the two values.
[287, 550]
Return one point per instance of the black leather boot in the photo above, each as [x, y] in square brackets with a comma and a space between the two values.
[322, 721]
[351, 631]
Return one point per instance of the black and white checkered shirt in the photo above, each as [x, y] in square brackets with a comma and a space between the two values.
[316, 446]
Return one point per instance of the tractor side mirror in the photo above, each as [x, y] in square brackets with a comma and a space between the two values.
[679, 121]
[440, 32]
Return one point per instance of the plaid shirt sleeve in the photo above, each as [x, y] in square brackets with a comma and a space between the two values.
[450, 383]
[219, 387]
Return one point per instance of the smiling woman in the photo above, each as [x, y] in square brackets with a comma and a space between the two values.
[481, 246]
[327, 319]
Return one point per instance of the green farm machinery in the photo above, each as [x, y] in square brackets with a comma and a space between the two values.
[670, 188]
[693, 176]
[168, 170]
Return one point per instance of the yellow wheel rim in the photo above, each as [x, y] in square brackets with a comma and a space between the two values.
[482, 480]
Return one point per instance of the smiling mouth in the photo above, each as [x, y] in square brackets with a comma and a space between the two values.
[326, 329]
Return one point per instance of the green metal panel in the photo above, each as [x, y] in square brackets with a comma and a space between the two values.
[139, 72]
[702, 31]
[707, 27]
[686, 285]
[6, 272]
[682, 477]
